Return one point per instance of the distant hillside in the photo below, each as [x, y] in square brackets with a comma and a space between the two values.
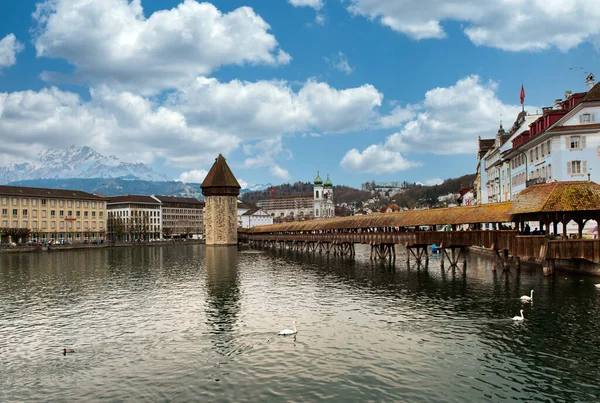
[117, 186]
[416, 195]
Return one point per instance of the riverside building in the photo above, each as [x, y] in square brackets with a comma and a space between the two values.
[55, 215]
[299, 208]
[133, 217]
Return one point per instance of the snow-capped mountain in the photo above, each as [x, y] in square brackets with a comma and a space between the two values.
[252, 188]
[77, 162]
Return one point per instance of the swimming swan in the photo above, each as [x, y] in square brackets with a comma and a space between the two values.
[597, 285]
[525, 298]
[519, 317]
[286, 332]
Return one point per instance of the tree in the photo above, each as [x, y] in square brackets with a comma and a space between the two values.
[167, 232]
[17, 234]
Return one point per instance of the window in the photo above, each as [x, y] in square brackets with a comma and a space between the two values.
[34, 224]
[543, 147]
[24, 213]
[52, 203]
[93, 214]
[100, 204]
[24, 202]
[34, 213]
[24, 224]
[62, 225]
[85, 214]
[43, 202]
[4, 212]
[77, 204]
[93, 204]
[100, 214]
[34, 202]
[531, 155]
[44, 224]
[5, 223]
[52, 225]
[78, 213]
[574, 167]
[4, 201]
[61, 213]
[85, 204]
[586, 118]
[549, 172]
[574, 142]
[14, 201]
[70, 203]
[548, 147]
[537, 155]
[14, 212]
[61, 203]
[43, 213]
[52, 213]
[70, 213]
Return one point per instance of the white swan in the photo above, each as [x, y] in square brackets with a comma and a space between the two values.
[519, 317]
[525, 298]
[286, 332]
[597, 285]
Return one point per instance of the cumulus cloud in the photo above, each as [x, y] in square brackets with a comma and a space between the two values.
[505, 24]
[112, 41]
[189, 127]
[376, 159]
[279, 172]
[195, 176]
[316, 4]
[266, 109]
[340, 63]
[448, 121]
[9, 47]
[434, 181]
[122, 124]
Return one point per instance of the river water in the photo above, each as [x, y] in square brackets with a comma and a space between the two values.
[196, 323]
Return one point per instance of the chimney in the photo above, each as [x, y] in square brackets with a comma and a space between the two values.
[557, 103]
[589, 81]
[546, 109]
[568, 94]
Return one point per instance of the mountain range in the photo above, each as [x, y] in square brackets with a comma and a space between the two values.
[77, 162]
[82, 168]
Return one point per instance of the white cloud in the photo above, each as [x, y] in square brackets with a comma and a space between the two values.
[9, 47]
[451, 119]
[512, 25]
[448, 121]
[316, 4]
[376, 159]
[266, 109]
[340, 63]
[112, 42]
[279, 172]
[434, 181]
[195, 176]
[189, 128]
[122, 124]
[320, 19]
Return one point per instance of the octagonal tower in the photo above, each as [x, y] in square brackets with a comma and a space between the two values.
[220, 189]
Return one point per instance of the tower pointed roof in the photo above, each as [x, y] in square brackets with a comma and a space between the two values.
[318, 180]
[220, 181]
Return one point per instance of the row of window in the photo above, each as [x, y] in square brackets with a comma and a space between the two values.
[61, 213]
[61, 224]
[133, 213]
[52, 202]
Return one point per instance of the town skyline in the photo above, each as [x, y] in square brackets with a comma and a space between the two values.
[322, 86]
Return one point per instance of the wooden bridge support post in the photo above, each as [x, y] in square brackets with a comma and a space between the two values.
[549, 266]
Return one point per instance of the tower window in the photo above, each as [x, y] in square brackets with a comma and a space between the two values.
[317, 193]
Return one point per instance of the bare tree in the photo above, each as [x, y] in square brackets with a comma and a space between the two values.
[17, 234]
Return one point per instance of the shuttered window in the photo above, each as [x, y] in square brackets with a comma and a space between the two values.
[575, 168]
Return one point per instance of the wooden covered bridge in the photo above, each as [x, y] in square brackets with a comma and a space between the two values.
[499, 227]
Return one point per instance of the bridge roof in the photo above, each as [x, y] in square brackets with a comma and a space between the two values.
[558, 197]
[487, 213]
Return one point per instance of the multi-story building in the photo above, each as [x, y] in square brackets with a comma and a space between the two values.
[297, 208]
[133, 217]
[561, 144]
[254, 218]
[181, 217]
[52, 214]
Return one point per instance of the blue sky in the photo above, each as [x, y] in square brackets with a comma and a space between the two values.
[385, 90]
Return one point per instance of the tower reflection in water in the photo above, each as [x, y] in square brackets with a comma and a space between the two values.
[223, 305]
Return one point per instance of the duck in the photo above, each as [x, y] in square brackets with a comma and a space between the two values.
[68, 351]
[526, 298]
[287, 332]
[519, 317]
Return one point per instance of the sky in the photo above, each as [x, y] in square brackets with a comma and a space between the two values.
[360, 90]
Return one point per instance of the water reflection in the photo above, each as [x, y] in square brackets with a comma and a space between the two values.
[223, 292]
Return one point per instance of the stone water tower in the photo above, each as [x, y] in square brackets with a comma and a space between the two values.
[220, 189]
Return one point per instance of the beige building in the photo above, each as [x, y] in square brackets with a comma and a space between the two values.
[133, 217]
[52, 214]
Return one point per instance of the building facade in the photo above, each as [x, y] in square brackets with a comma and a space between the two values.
[254, 218]
[181, 217]
[133, 218]
[299, 208]
[52, 215]
[561, 144]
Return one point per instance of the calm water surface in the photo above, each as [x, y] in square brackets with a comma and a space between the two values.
[185, 322]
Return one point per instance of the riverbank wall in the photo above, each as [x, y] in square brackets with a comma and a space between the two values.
[57, 248]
